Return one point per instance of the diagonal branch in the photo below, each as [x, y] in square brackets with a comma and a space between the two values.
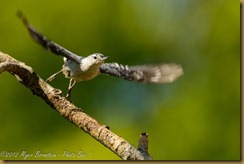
[53, 97]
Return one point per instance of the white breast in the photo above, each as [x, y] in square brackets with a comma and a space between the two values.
[84, 71]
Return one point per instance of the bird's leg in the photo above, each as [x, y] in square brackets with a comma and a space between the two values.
[53, 76]
[71, 85]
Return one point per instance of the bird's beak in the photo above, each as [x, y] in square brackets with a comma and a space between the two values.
[105, 57]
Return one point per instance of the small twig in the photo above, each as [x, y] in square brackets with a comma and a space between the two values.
[143, 145]
[54, 99]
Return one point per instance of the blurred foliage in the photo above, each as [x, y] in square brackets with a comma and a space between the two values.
[195, 118]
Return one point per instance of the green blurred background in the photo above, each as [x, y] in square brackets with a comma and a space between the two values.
[195, 118]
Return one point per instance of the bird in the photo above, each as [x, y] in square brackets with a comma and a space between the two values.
[78, 68]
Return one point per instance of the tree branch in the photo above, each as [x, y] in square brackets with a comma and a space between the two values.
[53, 97]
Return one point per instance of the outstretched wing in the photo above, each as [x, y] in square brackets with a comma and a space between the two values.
[46, 43]
[162, 73]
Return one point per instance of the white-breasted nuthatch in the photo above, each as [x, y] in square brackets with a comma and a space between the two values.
[79, 68]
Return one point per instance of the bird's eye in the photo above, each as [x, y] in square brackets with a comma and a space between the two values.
[94, 57]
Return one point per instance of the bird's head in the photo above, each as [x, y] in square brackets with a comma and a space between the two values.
[96, 58]
[93, 61]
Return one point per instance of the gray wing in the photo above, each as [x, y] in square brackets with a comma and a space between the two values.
[162, 73]
[46, 43]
